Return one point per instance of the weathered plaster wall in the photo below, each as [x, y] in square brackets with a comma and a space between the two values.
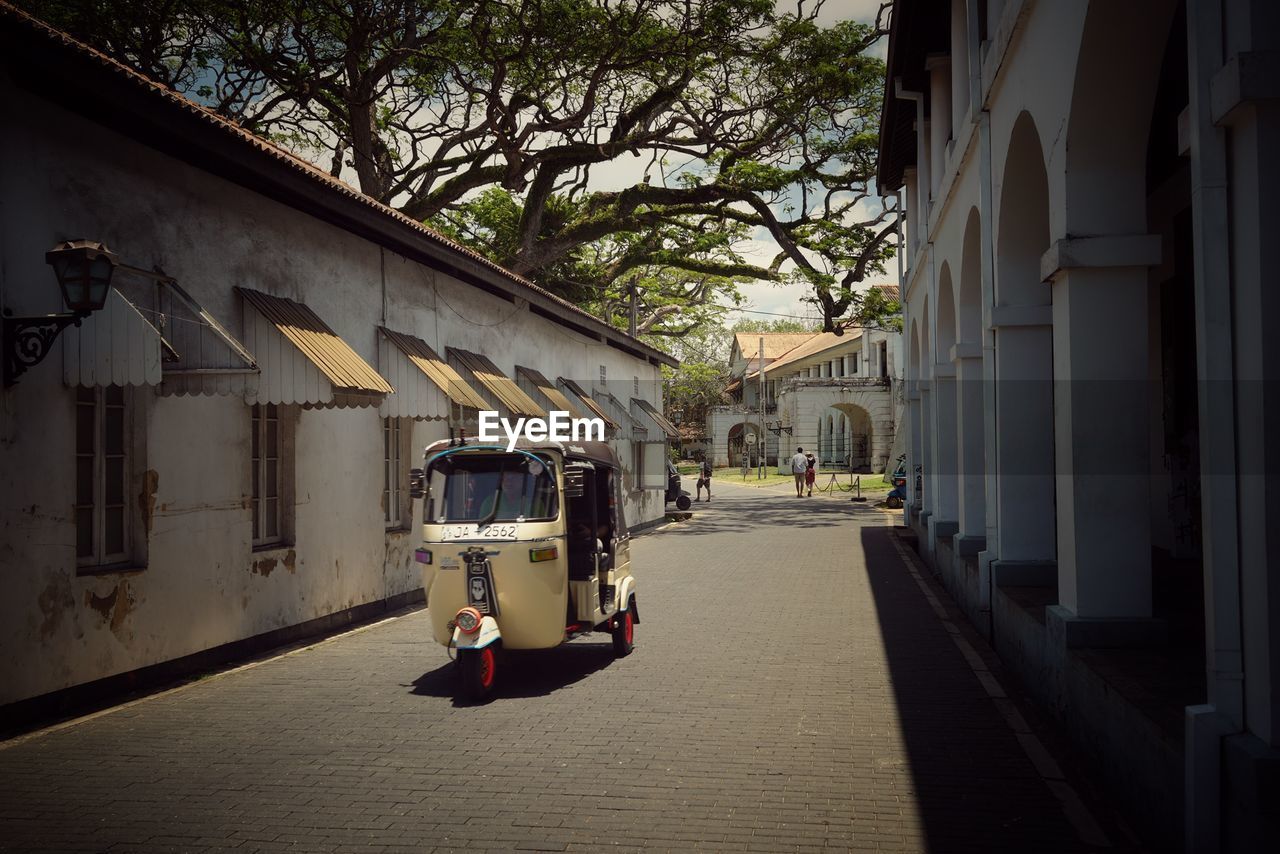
[62, 177]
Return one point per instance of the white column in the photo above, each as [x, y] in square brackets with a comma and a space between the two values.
[959, 65]
[927, 459]
[969, 441]
[1102, 438]
[945, 479]
[911, 193]
[939, 118]
[1024, 482]
[915, 445]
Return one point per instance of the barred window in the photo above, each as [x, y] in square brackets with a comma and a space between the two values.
[268, 475]
[102, 476]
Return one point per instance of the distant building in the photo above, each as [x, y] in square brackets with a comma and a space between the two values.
[837, 395]
[222, 453]
[1092, 195]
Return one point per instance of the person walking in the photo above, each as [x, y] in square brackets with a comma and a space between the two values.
[704, 479]
[799, 465]
[810, 471]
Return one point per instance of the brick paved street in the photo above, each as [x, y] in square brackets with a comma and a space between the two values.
[791, 689]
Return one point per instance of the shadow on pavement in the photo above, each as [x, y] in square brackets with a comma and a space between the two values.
[528, 673]
[976, 788]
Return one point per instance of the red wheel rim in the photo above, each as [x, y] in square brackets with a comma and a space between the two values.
[486, 667]
[628, 627]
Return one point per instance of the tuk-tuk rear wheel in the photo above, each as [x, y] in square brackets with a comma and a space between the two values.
[624, 631]
[477, 673]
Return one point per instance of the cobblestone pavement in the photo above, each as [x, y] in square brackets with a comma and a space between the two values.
[792, 689]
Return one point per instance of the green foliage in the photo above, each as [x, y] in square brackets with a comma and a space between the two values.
[486, 119]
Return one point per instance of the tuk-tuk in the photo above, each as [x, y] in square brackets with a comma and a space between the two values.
[522, 549]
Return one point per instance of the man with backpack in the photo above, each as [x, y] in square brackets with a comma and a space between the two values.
[704, 479]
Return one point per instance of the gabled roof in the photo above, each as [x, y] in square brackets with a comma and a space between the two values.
[813, 347]
[775, 343]
[86, 81]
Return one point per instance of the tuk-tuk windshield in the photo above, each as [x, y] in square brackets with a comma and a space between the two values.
[491, 488]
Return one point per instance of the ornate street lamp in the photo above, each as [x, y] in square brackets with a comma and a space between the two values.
[83, 269]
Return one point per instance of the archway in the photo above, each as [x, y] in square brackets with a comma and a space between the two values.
[740, 447]
[1025, 510]
[860, 434]
[970, 419]
[944, 403]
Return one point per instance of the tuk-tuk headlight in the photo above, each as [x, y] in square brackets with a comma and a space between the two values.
[468, 620]
[546, 553]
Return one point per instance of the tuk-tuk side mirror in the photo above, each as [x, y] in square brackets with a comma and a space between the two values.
[417, 483]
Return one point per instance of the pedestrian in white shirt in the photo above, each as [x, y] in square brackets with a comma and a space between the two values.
[799, 467]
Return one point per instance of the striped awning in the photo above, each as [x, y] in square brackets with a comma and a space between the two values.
[649, 411]
[302, 359]
[501, 386]
[596, 409]
[115, 345]
[425, 383]
[535, 383]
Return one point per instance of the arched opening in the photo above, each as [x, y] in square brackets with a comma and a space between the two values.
[859, 432]
[970, 429]
[946, 476]
[740, 447]
[1025, 509]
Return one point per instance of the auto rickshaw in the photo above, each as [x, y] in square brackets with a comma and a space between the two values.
[522, 549]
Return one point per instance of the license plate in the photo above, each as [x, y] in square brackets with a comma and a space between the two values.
[497, 531]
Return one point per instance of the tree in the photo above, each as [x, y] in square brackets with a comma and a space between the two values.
[741, 120]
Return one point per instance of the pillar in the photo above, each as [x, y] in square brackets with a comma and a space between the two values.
[945, 479]
[959, 65]
[1101, 437]
[1023, 392]
[939, 67]
[970, 449]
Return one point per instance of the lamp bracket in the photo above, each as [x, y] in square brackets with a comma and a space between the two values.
[27, 340]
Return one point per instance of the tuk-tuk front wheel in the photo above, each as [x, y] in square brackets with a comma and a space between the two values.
[624, 631]
[477, 673]
[683, 502]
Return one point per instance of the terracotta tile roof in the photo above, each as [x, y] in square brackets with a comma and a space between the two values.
[435, 368]
[890, 290]
[14, 17]
[334, 358]
[815, 345]
[775, 343]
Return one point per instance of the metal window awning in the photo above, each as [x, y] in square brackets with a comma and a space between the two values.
[426, 386]
[534, 382]
[115, 345]
[302, 359]
[202, 356]
[644, 410]
[622, 416]
[595, 408]
[501, 386]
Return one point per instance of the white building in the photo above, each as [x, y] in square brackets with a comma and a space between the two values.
[835, 395]
[219, 457]
[1090, 190]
